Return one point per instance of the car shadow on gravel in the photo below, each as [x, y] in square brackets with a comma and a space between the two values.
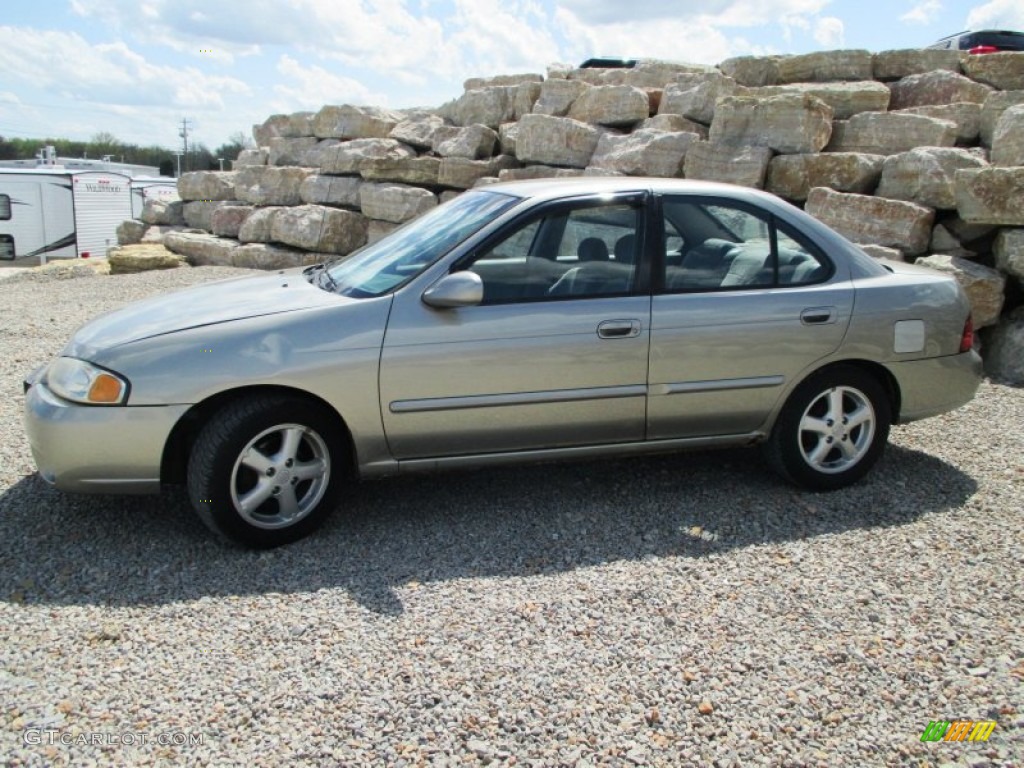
[58, 549]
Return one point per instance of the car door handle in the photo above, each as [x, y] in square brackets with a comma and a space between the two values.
[818, 315]
[618, 329]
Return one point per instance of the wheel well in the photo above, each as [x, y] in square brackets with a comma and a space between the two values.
[881, 374]
[174, 461]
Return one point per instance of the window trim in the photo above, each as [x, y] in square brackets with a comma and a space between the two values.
[774, 224]
[9, 207]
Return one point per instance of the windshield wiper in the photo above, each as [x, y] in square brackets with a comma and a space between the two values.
[324, 276]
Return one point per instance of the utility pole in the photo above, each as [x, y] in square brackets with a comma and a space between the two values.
[183, 133]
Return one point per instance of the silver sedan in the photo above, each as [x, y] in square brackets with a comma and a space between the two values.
[553, 319]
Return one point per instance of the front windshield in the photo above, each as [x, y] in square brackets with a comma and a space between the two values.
[384, 265]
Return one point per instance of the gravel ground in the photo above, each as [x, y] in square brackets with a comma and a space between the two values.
[681, 610]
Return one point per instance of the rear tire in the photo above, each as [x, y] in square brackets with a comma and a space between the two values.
[266, 470]
[832, 429]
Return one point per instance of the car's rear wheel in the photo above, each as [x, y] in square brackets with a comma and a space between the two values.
[832, 429]
[266, 470]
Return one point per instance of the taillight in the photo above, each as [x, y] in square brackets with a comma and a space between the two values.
[967, 339]
[983, 49]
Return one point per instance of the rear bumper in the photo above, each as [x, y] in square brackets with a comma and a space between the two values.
[936, 385]
[91, 449]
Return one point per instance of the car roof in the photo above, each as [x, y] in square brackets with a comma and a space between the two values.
[558, 187]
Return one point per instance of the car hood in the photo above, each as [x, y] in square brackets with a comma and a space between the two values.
[210, 304]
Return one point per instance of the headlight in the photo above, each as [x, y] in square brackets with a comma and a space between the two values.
[83, 382]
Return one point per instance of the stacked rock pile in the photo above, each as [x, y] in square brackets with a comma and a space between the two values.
[916, 154]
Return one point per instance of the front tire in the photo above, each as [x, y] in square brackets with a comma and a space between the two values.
[266, 470]
[832, 429]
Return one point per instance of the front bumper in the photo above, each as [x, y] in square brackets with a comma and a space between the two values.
[96, 449]
[937, 384]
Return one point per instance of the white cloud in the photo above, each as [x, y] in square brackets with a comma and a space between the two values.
[732, 13]
[997, 14]
[106, 73]
[829, 32]
[924, 12]
[309, 88]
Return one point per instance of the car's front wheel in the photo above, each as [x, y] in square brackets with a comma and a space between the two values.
[266, 470]
[832, 429]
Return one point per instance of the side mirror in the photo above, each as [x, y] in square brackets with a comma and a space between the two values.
[461, 289]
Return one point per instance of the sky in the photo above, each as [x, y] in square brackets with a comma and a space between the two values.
[136, 68]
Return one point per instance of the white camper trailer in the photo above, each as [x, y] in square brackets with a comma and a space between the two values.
[146, 188]
[52, 213]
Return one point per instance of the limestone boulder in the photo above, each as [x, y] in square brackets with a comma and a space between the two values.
[793, 176]
[507, 135]
[269, 185]
[694, 96]
[130, 259]
[873, 220]
[825, 66]
[643, 153]
[526, 98]
[926, 175]
[228, 218]
[271, 256]
[1009, 252]
[787, 124]
[418, 132]
[556, 97]
[938, 87]
[474, 142]
[966, 115]
[291, 126]
[351, 122]
[257, 225]
[648, 73]
[670, 123]
[164, 213]
[983, 285]
[340, 191]
[314, 156]
[972, 235]
[993, 109]
[476, 83]
[395, 202]
[411, 170]
[490, 106]
[199, 213]
[845, 98]
[752, 71]
[1004, 349]
[463, 173]
[991, 196]
[201, 250]
[556, 141]
[881, 252]
[612, 105]
[130, 232]
[1008, 137]
[349, 157]
[284, 151]
[319, 228]
[745, 166]
[207, 185]
[538, 172]
[895, 65]
[889, 133]
[155, 233]
[1003, 71]
[251, 157]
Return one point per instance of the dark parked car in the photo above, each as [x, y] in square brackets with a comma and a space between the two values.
[983, 41]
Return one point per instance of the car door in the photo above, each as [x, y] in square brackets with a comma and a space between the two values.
[746, 303]
[554, 356]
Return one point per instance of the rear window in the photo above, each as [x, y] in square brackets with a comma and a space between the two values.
[1007, 41]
